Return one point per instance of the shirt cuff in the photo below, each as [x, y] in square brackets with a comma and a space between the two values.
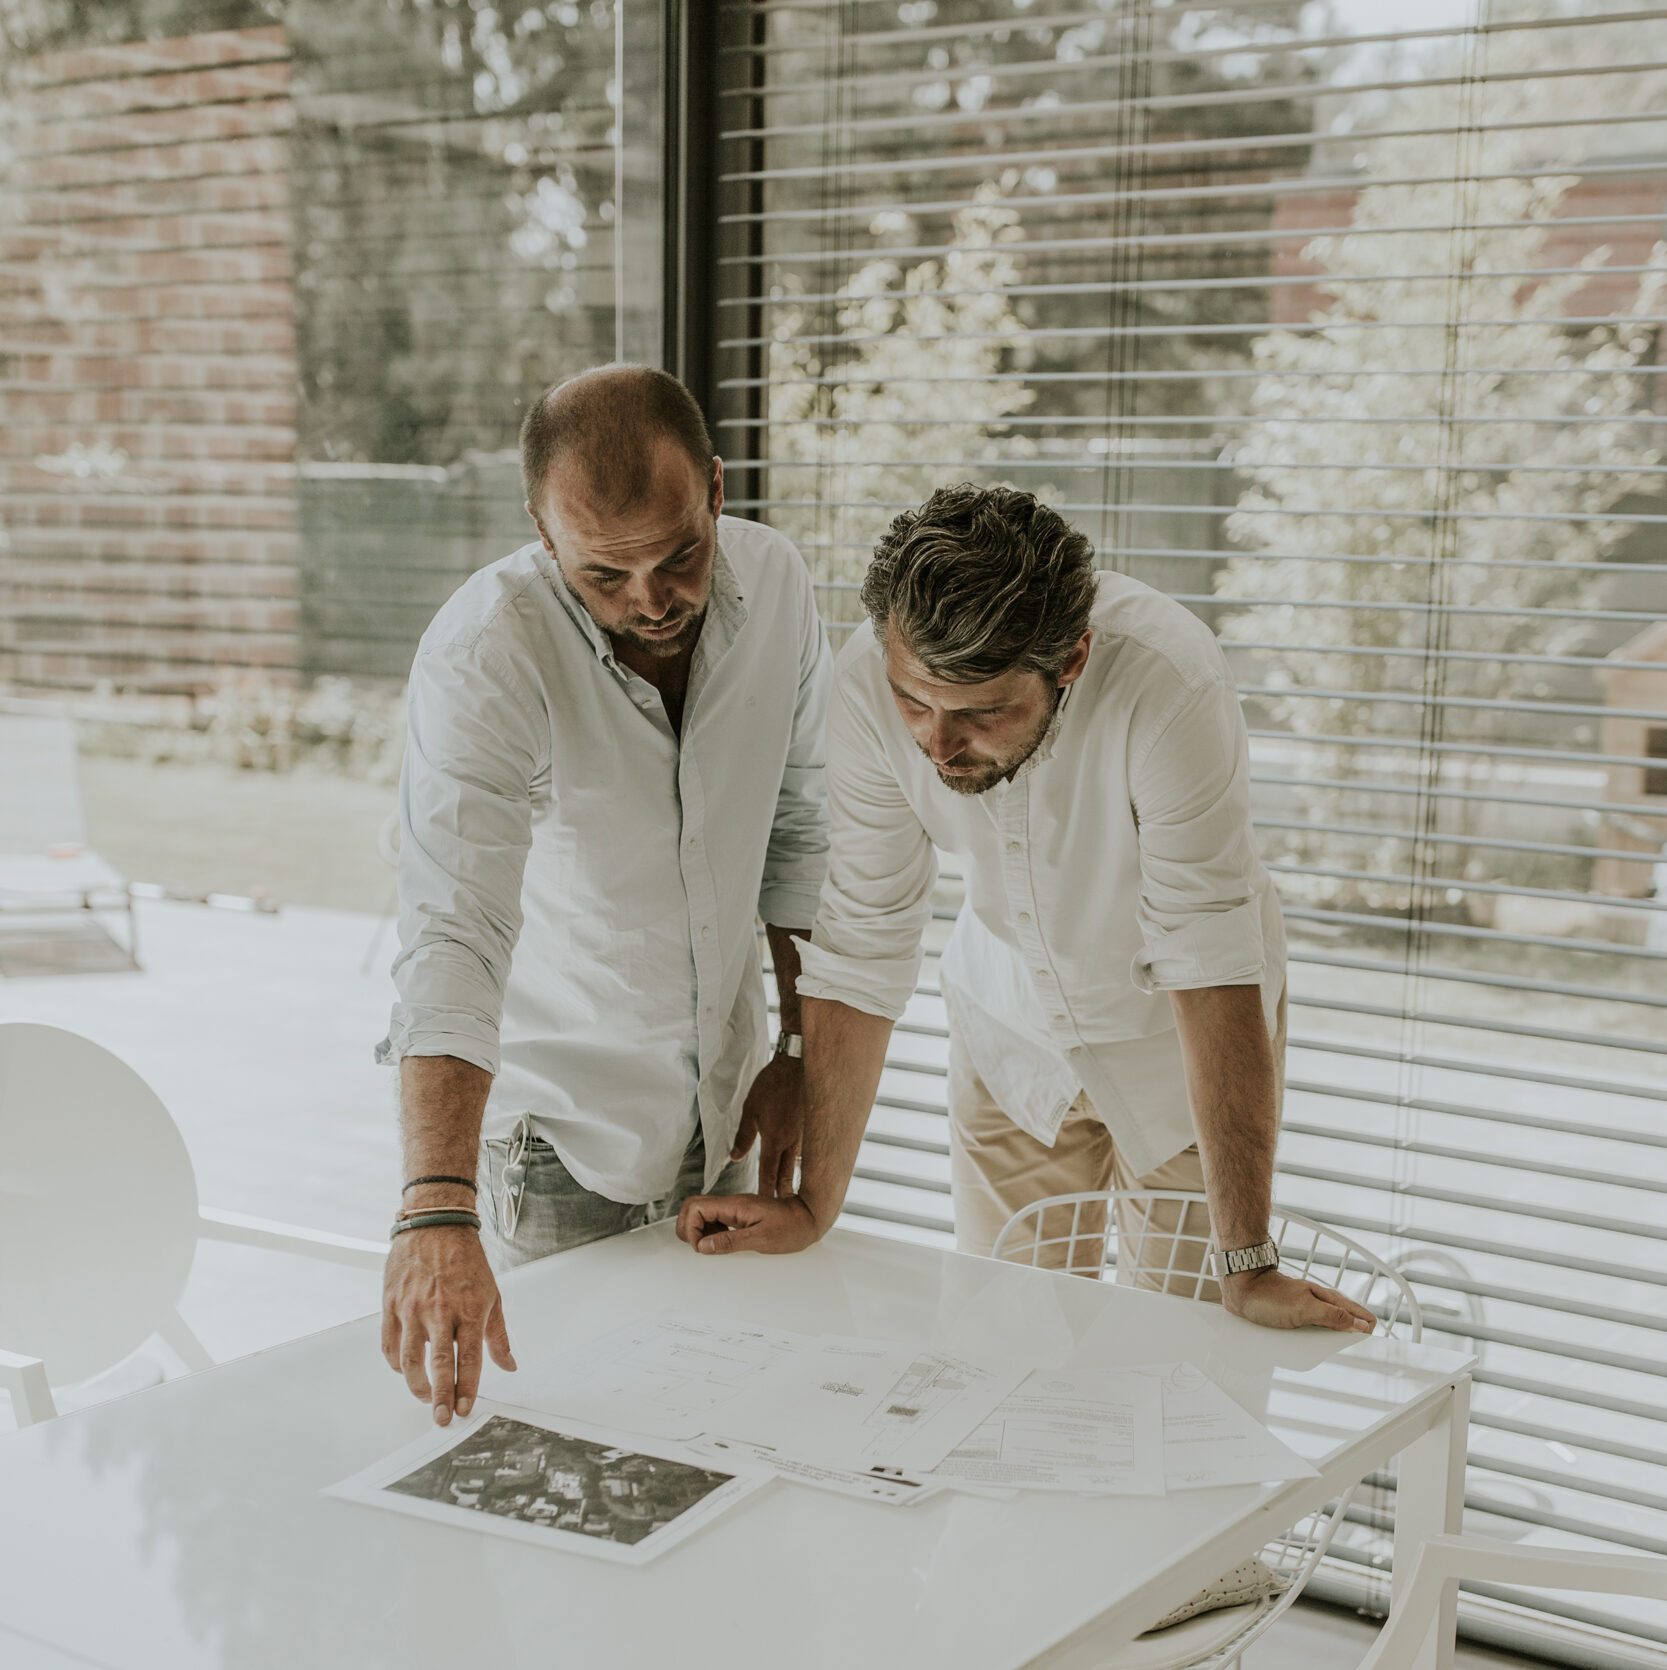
[1220, 948]
[879, 986]
[790, 904]
[439, 1032]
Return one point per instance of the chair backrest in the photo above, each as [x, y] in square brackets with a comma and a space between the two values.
[1172, 1249]
[40, 787]
[98, 1204]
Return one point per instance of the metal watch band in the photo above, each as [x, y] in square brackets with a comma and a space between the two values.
[790, 1043]
[1263, 1256]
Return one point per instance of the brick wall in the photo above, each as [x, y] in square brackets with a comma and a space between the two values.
[147, 367]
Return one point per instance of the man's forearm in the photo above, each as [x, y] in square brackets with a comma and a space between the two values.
[845, 1052]
[442, 1101]
[1232, 1085]
[784, 958]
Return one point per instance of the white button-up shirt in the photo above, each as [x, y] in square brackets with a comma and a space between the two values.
[1118, 863]
[579, 885]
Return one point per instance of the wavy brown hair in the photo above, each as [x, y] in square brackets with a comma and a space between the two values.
[981, 581]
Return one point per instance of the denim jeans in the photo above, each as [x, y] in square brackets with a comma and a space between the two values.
[531, 1205]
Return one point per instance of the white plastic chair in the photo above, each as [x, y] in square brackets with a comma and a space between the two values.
[99, 1221]
[1078, 1232]
[1446, 1560]
[46, 867]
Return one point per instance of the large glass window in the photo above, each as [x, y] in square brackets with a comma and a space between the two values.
[280, 278]
[1342, 328]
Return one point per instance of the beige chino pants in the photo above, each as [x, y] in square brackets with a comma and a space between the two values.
[997, 1169]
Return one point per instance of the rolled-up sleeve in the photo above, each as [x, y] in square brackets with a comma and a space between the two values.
[478, 738]
[865, 949]
[796, 860]
[1200, 907]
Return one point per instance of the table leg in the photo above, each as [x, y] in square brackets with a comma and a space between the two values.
[1429, 1501]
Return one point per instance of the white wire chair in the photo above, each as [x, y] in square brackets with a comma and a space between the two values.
[1161, 1240]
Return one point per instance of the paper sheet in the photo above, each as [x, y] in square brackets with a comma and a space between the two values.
[878, 1484]
[511, 1472]
[667, 1376]
[858, 1404]
[1099, 1432]
[1209, 1440]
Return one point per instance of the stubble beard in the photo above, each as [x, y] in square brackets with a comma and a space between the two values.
[661, 649]
[982, 781]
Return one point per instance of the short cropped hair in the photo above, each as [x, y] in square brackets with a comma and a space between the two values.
[981, 581]
[606, 420]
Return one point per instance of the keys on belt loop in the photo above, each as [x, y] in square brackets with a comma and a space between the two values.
[514, 1182]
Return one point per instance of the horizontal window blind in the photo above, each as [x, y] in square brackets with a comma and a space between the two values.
[1347, 336]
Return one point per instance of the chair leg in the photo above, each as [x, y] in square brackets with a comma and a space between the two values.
[25, 1379]
[176, 1333]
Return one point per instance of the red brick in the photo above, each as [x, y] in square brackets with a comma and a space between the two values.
[189, 124]
[274, 301]
[135, 199]
[80, 238]
[155, 91]
[257, 154]
[182, 52]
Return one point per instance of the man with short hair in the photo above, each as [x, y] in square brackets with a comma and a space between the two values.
[614, 768]
[1115, 981]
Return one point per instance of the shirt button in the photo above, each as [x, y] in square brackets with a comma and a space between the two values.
[708, 1012]
[1059, 1017]
[1012, 846]
[705, 933]
[1076, 1049]
[1024, 915]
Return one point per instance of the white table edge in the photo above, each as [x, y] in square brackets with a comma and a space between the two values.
[1430, 1417]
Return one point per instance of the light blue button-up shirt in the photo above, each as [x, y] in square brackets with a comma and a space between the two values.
[579, 884]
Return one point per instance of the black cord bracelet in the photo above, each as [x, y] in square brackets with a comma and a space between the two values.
[436, 1219]
[463, 1182]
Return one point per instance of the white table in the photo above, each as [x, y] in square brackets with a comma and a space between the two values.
[183, 1526]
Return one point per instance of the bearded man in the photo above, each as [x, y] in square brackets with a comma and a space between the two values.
[615, 767]
[1116, 978]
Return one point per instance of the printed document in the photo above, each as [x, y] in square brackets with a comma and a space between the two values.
[1209, 1440]
[510, 1472]
[859, 1404]
[666, 1375]
[1094, 1432]
[877, 1484]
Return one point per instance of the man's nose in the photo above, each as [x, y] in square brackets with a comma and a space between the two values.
[944, 742]
[653, 600]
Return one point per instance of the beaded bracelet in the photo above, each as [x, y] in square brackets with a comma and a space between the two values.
[462, 1182]
[435, 1219]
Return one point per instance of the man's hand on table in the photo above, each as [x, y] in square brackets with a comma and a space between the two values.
[747, 1223]
[1272, 1299]
[774, 1116]
[439, 1295]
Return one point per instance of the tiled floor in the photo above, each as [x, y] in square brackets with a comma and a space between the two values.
[257, 1033]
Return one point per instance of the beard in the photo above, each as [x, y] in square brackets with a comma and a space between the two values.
[977, 776]
[662, 649]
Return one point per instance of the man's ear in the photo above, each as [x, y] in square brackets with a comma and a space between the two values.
[544, 538]
[717, 486]
[1073, 669]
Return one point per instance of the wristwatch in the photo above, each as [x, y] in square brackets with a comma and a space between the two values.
[1263, 1256]
[790, 1043]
